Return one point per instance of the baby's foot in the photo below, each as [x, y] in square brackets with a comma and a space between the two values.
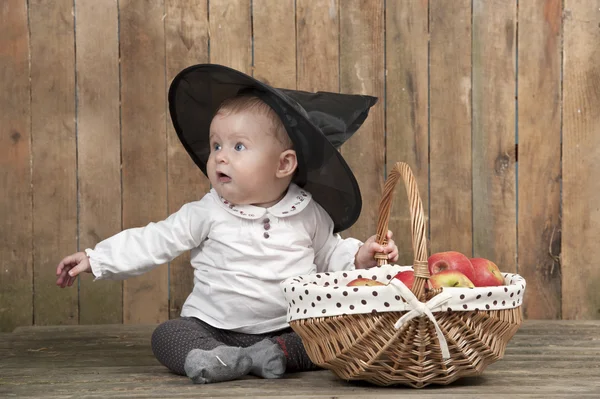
[224, 363]
[268, 360]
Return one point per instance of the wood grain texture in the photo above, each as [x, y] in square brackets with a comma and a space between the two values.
[545, 359]
[274, 29]
[450, 126]
[59, 132]
[231, 34]
[16, 271]
[406, 116]
[54, 153]
[581, 157]
[318, 45]
[539, 173]
[493, 134]
[143, 138]
[99, 172]
[362, 72]
[186, 37]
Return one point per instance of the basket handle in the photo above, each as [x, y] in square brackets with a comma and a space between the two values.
[417, 218]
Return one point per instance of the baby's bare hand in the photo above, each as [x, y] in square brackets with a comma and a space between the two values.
[70, 267]
[365, 257]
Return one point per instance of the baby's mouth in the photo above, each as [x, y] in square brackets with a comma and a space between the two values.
[223, 178]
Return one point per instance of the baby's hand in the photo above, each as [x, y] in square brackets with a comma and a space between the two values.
[365, 257]
[70, 267]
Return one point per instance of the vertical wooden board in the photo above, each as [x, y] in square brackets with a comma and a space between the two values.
[143, 138]
[406, 102]
[318, 45]
[539, 170]
[581, 157]
[494, 157]
[98, 126]
[274, 42]
[54, 167]
[186, 37]
[16, 273]
[450, 126]
[362, 72]
[231, 34]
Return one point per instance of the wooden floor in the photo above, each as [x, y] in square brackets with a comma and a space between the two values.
[545, 359]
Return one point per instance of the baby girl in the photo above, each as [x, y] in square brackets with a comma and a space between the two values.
[280, 194]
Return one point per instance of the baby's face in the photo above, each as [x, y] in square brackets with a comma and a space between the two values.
[244, 157]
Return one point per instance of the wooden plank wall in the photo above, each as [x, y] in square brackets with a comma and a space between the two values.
[580, 159]
[99, 172]
[53, 155]
[539, 167]
[16, 259]
[495, 105]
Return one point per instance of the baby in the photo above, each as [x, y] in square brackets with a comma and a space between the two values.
[255, 228]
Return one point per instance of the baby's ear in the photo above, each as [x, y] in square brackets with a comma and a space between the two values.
[287, 164]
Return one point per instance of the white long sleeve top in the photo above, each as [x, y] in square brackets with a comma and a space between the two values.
[240, 254]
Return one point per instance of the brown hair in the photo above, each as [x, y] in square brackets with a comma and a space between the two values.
[252, 103]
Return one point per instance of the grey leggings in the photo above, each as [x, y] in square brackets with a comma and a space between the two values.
[174, 339]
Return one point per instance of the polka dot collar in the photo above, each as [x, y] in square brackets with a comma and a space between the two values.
[294, 201]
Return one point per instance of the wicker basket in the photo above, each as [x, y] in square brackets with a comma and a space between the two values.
[426, 342]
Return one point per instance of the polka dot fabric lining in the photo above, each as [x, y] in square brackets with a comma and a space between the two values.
[326, 294]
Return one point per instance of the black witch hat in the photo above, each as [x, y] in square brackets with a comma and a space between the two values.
[317, 123]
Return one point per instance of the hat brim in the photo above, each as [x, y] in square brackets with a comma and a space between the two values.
[194, 97]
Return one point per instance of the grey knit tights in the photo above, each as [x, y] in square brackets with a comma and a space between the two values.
[174, 339]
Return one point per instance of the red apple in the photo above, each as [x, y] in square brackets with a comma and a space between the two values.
[407, 277]
[450, 260]
[450, 278]
[363, 282]
[486, 273]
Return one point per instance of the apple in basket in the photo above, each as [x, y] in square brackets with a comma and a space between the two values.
[486, 273]
[407, 277]
[450, 260]
[450, 278]
[363, 282]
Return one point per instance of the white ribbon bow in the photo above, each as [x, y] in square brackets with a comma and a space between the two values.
[419, 308]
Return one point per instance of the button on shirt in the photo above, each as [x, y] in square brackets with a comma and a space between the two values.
[240, 254]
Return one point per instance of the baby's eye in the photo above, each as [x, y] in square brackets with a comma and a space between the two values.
[239, 147]
[216, 147]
